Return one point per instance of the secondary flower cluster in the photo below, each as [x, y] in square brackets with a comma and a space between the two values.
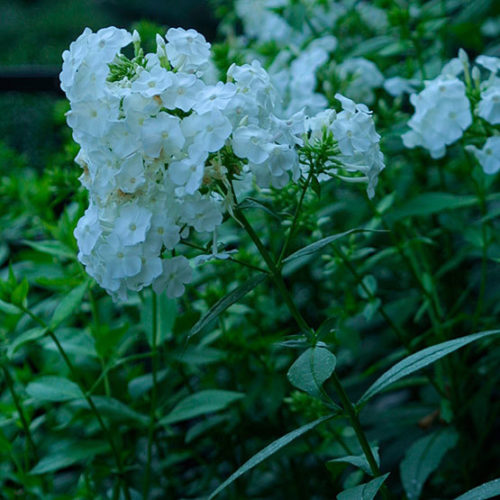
[445, 108]
[161, 142]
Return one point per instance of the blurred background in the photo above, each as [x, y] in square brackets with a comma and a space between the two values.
[33, 35]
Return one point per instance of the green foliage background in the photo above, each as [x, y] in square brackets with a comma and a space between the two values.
[428, 274]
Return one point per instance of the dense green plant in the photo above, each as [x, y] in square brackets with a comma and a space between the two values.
[348, 347]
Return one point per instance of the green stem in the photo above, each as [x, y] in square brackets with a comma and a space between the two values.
[348, 406]
[276, 276]
[24, 422]
[154, 396]
[87, 398]
[293, 227]
[356, 424]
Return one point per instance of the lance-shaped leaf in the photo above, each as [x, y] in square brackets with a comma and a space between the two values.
[54, 389]
[200, 403]
[420, 360]
[268, 451]
[313, 367]
[359, 461]
[423, 458]
[68, 305]
[318, 245]
[230, 299]
[365, 491]
[491, 489]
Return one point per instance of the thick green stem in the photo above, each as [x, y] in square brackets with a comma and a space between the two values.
[356, 425]
[280, 284]
[154, 395]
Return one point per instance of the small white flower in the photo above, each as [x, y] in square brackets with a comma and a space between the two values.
[132, 224]
[131, 174]
[187, 50]
[176, 273]
[489, 156]
[489, 105]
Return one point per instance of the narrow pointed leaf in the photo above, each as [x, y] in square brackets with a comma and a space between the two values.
[268, 451]
[359, 461]
[25, 337]
[230, 299]
[200, 403]
[55, 389]
[68, 305]
[420, 360]
[491, 489]
[365, 491]
[311, 369]
[423, 458]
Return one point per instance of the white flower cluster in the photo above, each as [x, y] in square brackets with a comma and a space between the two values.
[151, 133]
[160, 145]
[443, 110]
[305, 44]
[354, 132]
[442, 113]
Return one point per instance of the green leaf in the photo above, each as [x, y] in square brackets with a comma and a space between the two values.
[114, 409]
[420, 360]
[487, 490]
[20, 293]
[69, 455]
[8, 308]
[68, 305]
[311, 369]
[55, 248]
[222, 304]
[144, 383]
[433, 203]
[359, 461]
[54, 389]
[423, 458]
[253, 203]
[318, 245]
[268, 451]
[365, 491]
[25, 337]
[201, 403]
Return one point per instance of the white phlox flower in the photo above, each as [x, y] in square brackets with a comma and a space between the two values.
[489, 156]
[154, 135]
[442, 113]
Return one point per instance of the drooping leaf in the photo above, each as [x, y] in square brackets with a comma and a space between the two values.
[253, 203]
[24, 338]
[8, 308]
[267, 452]
[365, 491]
[491, 489]
[221, 305]
[55, 389]
[68, 305]
[200, 403]
[69, 455]
[113, 409]
[52, 247]
[359, 461]
[420, 360]
[318, 245]
[311, 369]
[423, 458]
